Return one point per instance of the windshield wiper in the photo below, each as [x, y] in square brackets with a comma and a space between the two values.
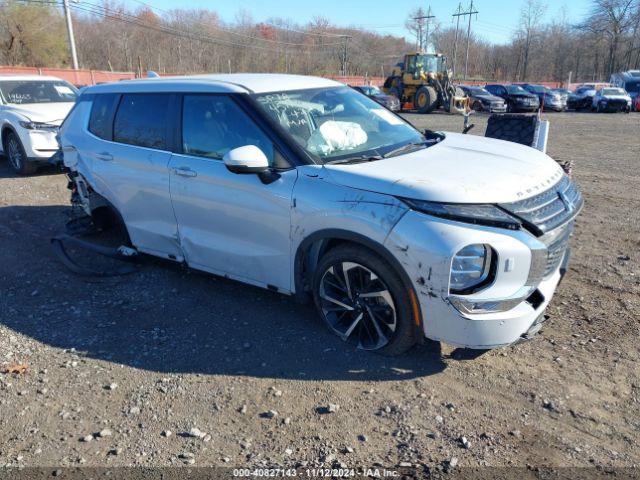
[404, 148]
[356, 159]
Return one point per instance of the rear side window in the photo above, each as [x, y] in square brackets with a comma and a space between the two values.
[142, 120]
[101, 119]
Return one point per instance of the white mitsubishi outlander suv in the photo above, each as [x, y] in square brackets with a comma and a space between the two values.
[304, 186]
[32, 108]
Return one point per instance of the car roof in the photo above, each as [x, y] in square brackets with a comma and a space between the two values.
[222, 83]
[13, 77]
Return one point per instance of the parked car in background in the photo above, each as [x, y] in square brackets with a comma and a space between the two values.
[303, 186]
[611, 99]
[516, 97]
[32, 107]
[549, 100]
[483, 101]
[581, 98]
[564, 95]
[564, 92]
[390, 101]
[630, 81]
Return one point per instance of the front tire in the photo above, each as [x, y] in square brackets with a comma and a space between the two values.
[362, 299]
[426, 99]
[16, 155]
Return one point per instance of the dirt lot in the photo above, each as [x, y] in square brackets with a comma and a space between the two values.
[168, 350]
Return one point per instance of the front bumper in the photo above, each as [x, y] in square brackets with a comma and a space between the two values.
[39, 145]
[579, 103]
[501, 108]
[425, 245]
[555, 106]
[393, 106]
[614, 106]
[521, 107]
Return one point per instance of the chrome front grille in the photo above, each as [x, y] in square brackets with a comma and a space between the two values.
[556, 249]
[549, 209]
[546, 259]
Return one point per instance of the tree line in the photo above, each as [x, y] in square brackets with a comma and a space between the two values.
[114, 36]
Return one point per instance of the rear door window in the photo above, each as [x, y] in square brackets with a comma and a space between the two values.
[142, 120]
[101, 119]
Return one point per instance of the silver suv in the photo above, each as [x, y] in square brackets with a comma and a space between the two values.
[304, 186]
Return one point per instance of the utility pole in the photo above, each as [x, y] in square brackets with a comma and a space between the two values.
[72, 39]
[462, 14]
[455, 41]
[420, 43]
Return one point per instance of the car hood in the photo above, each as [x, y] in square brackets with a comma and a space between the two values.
[460, 169]
[385, 98]
[488, 98]
[43, 112]
[588, 93]
[616, 97]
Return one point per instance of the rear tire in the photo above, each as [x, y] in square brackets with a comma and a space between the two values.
[426, 99]
[16, 155]
[362, 299]
[477, 106]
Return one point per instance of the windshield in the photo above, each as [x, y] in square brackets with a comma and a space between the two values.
[37, 91]
[425, 63]
[536, 88]
[632, 87]
[478, 91]
[337, 123]
[613, 91]
[516, 89]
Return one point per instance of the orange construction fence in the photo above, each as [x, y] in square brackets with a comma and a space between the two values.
[83, 77]
[77, 77]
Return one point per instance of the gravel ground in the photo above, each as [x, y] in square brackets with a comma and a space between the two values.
[171, 367]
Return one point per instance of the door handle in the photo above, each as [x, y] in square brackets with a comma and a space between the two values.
[185, 172]
[104, 156]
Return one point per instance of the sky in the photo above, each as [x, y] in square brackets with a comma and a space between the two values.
[496, 19]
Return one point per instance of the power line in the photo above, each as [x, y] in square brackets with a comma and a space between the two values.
[216, 27]
[455, 42]
[333, 35]
[470, 12]
[130, 19]
[301, 32]
[420, 19]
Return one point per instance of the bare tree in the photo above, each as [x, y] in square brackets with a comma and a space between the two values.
[530, 18]
[612, 19]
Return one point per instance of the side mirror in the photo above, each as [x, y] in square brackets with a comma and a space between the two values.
[247, 159]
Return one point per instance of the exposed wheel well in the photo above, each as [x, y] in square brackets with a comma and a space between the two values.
[316, 245]
[6, 129]
[105, 216]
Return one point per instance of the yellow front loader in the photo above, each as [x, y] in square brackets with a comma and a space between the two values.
[423, 81]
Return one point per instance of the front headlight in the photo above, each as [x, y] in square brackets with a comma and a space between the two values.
[470, 268]
[37, 125]
[479, 214]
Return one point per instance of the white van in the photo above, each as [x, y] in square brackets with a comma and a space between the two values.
[304, 186]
